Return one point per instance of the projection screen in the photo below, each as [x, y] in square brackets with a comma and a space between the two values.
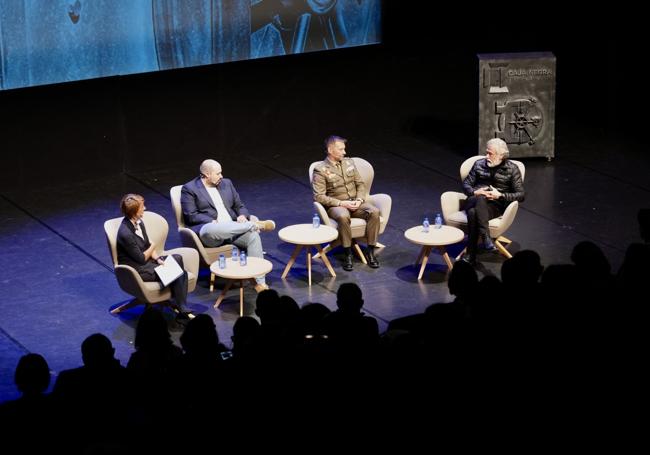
[52, 41]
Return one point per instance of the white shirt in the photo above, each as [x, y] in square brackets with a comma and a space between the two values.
[222, 211]
[138, 230]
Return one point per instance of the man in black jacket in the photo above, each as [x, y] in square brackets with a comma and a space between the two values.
[492, 184]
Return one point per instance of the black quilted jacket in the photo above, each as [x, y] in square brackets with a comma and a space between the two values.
[505, 177]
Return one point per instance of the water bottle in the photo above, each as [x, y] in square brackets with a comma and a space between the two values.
[235, 253]
[438, 221]
[222, 261]
[315, 221]
[425, 225]
[242, 259]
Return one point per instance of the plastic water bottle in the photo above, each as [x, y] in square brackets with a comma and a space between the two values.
[222, 261]
[315, 221]
[235, 253]
[425, 225]
[438, 221]
[242, 258]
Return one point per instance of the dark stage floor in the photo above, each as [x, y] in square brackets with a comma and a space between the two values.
[58, 284]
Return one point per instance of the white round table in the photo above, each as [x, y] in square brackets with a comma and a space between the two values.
[234, 271]
[439, 238]
[306, 236]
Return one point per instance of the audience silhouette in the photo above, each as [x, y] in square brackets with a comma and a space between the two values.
[533, 324]
[34, 408]
[95, 395]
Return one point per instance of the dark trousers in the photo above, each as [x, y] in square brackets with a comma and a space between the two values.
[480, 211]
[178, 287]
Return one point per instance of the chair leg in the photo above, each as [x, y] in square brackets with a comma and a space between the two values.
[362, 256]
[212, 275]
[323, 256]
[125, 306]
[355, 247]
[503, 239]
[460, 255]
[380, 245]
[502, 249]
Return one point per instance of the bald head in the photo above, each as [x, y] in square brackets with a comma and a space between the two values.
[208, 165]
[211, 173]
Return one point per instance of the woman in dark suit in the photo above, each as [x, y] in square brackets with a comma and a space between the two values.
[135, 249]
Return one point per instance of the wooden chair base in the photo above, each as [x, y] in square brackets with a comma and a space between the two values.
[134, 303]
[499, 243]
[502, 249]
[355, 247]
[126, 306]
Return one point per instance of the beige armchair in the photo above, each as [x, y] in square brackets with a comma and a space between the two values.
[130, 281]
[382, 201]
[452, 203]
[189, 238]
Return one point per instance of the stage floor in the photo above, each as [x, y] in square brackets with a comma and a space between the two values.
[57, 279]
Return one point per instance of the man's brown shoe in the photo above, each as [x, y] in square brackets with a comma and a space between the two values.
[265, 226]
[261, 287]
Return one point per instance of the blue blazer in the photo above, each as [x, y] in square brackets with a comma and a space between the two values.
[198, 208]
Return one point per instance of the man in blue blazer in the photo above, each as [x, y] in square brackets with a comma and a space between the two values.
[212, 208]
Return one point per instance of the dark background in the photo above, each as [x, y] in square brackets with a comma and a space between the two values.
[422, 80]
[71, 151]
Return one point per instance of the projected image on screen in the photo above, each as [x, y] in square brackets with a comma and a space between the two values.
[51, 41]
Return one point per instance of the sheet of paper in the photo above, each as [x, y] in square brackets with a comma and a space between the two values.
[169, 271]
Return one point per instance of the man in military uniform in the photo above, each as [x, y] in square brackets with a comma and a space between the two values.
[338, 186]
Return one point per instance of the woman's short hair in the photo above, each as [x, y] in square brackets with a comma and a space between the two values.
[130, 204]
